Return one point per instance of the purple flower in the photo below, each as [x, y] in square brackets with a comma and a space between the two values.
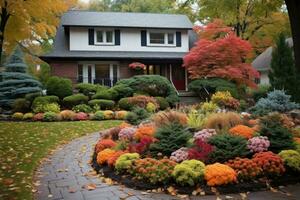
[258, 144]
[127, 133]
[204, 134]
[180, 155]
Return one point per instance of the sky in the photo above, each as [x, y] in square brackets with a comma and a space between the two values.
[85, 1]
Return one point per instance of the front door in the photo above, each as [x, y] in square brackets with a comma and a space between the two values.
[178, 77]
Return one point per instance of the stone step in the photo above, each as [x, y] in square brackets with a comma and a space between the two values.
[187, 100]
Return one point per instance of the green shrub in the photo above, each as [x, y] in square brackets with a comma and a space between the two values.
[291, 159]
[31, 96]
[279, 136]
[17, 116]
[104, 104]
[125, 161]
[137, 116]
[170, 137]
[89, 89]
[276, 101]
[151, 107]
[27, 116]
[43, 100]
[109, 94]
[208, 107]
[213, 85]
[123, 90]
[75, 99]
[227, 147]
[162, 102]
[50, 107]
[154, 85]
[50, 116]
[125, 104]
[21, 105]
[260, 92]
[99, 115]
[82, 108]
[60, 87]
[189, 172]
[195, 119]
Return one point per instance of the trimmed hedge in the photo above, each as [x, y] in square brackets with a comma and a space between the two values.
[103, 103]
[43, 100]
[89, 89]
[73, 100]
[109, 94]
[61, 87]
[125, 104]
[162, 102]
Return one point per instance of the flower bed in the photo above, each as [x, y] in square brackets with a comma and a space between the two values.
[166, 153]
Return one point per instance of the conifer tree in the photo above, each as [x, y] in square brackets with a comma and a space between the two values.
[283, 74]
[15, 82]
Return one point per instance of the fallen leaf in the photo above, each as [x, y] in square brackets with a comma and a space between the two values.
[273, 189]
[90, 186]
[8, 181]
[72, 190]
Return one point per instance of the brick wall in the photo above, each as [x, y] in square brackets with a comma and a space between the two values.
[125, 71]
[65, 69]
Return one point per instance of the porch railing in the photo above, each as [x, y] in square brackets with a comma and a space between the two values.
[102, 81]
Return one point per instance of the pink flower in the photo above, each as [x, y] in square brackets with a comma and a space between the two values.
[258, 144]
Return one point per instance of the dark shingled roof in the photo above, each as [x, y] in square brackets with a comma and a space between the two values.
[263, 61]
[126, 19]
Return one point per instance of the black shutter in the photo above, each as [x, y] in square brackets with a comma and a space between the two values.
[178, 39]
[117, 37]
[143, 38]
[91, 36]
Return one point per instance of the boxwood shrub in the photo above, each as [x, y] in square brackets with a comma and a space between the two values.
[103, 103]
[74, 100]
[125, 104]
[44, 100]
[163, 103]
[60, 87]
[89, 89]
[109, 94]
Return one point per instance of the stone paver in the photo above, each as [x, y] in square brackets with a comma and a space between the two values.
[65, 173]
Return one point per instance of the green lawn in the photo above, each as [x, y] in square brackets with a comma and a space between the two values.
[24, 144]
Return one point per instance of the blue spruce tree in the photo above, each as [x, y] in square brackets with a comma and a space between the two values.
[14, 81]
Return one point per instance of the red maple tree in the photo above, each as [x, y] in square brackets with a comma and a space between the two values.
[220, 53]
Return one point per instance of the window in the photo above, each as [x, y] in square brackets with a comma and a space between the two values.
[161, 38]
[157, 38]
[104, 37]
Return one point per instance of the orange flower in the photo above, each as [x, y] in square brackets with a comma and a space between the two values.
[144, 131]
[296, 139]
[104, 155]
[243, 131]
[219, 174]
[111, 161]
[124, 125]
[103, 144]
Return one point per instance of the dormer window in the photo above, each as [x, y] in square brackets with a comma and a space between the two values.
[104, 37]
[159, 38]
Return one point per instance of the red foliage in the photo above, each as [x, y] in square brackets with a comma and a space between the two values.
[201, 150]
[111, 161]
[103, 144]
[38, 117]
[245, 168]
[222, 57]
[142, 146]
[270, 163]
[81, 116]
[137, 65]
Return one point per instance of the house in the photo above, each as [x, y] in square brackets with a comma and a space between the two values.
[262, 63]
[97, 47]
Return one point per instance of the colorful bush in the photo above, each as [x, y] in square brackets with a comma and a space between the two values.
[195, 119]
[144, 131]
[180, 155]
[81, 116]
[104, 155]
[167, 117]
[142, 146]
[219, 174]
[227, 147]
[127, 133]
[245, 168]
[224, 99]
[27, 116]
[50, 107]
[270, 163]
[204, 134]
[154, 171]
[258, 144]
[121, 115]
[108, 114]
[111, 161]
[209, 107]
[67, 115]
[170, 138]
[124, 125]
[222, 121]
[242, 130]
[151, 107]
[98, 115]
[291, 159]
[50, 117]
[189, 172]
[38, 117]
[103, 144]
[200, 151]
[125, 161]
[17, 116]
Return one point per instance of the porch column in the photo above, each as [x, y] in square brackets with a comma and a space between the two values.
[170, 73]
[111, 74]
[186, 80]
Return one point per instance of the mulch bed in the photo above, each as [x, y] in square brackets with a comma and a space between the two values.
[290, 177]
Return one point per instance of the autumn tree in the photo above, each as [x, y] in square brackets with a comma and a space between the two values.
[220, 54]
[24, 21]
[283, 74]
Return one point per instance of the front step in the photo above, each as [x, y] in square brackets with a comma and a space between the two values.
[188, 97]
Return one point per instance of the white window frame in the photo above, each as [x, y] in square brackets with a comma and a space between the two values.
[104, 37]
[165, 38]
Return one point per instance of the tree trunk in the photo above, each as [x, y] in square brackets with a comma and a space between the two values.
[4, 18]
[293, 7]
